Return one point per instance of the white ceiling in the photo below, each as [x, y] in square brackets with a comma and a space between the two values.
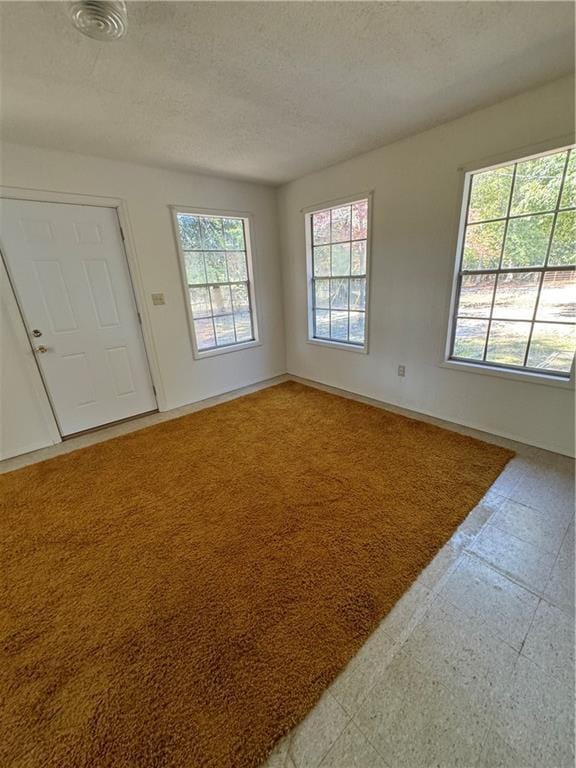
[268, 90]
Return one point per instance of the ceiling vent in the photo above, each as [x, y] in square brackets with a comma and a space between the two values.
[103, 20]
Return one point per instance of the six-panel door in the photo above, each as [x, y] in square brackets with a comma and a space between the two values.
[71, 278]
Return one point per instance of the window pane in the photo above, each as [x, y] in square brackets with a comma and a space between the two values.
[212, 234]
[195, 272]
[339, 294]
[221, 299]
[537, 184]
[483, 245]
[516, 295]
[359, 258]
[339, 326]
[470, 338]
[341, 259]
[357, 320]
[322, 261]
[233, 234]
[217, 277]
[240, 298]
[321, 227]
[552, 347]
[360, 220]
[322, 294]
[341, 221]
[204, 331]
[507, 342]
[200, 302]
[322, 322]
[569, 191]
[532, 291]
[527, 241]
[358, 293]
[189, 228]
[243, 323]
[564, 239]
[490, 194]
[339, 250]
[216, 267]
[224, 329]
[476, 293]
[558, 296]
[236, 266]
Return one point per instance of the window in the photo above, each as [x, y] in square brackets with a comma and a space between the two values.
[516, 290]
[215, 254]
[337, 274]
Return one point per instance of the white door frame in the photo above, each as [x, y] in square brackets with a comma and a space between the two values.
[75, 198]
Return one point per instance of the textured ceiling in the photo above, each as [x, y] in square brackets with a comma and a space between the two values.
[268, 91]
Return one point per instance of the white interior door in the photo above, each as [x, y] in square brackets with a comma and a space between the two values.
[71, 278]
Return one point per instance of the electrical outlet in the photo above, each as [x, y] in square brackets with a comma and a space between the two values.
[158, 299]
[401, 370]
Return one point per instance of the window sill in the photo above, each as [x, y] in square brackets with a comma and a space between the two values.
[338, 345]
[526, 376]
[199, 355]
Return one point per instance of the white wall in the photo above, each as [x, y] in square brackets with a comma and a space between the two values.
[148, 192]
[417, 185]
[416, 206]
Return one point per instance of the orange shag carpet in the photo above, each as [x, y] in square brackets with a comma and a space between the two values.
[181, 596]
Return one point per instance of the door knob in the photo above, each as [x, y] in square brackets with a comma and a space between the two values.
[41, 349]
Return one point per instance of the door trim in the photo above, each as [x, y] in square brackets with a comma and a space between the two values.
[121, 207]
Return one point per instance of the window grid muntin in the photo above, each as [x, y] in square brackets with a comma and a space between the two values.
[544, 269]
[229, 283]
[330, 338]
[558, 209]
[546, 258]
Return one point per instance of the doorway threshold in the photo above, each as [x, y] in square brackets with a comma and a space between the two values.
[108, 424]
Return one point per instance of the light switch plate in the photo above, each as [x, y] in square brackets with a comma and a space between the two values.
[158, 299]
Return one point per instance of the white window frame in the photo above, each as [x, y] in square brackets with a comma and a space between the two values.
[308, 212]
[248, 219]
[559, 380]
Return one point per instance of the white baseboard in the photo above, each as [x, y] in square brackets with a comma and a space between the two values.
[20, 450]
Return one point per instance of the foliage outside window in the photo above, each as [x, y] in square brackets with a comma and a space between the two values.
[216, 262]
[338, 273]
[516, 288]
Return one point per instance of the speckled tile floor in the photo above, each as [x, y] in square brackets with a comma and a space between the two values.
[474, 667]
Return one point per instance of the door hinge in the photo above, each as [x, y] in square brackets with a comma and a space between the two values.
[154, 390]
[122, 233]
[139, 317]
